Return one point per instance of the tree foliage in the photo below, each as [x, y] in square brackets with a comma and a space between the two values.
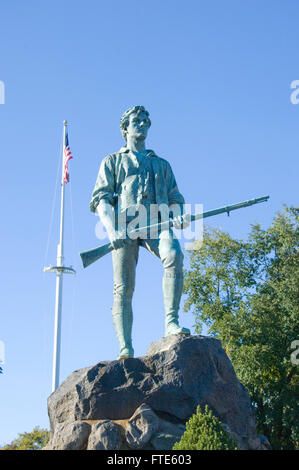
[205, 432]
[34, 440]
[247, 293]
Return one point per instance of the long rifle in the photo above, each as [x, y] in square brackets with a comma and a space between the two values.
[90, 256]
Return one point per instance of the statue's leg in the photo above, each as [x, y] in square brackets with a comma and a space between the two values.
[167, 247]
[124, 268]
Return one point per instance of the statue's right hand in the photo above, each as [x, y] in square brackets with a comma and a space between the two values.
[118, 238]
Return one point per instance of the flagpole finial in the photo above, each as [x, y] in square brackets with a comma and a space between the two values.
[65, 123]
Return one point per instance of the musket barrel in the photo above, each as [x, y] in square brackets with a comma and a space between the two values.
[228, 209]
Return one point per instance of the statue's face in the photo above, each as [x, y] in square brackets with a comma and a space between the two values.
[138, 126]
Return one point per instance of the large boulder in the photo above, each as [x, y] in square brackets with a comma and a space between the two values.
[153, 396]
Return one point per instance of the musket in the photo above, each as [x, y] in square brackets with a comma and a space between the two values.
[90, 256]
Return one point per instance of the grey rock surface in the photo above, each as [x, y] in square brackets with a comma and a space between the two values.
[141, 426]
[177, 374]
[167, 435]
[105, 435]
[69, 436]
[166, 343]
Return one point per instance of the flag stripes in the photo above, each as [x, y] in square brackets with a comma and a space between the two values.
[67, 155]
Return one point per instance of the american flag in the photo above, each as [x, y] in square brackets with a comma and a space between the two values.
[67, 156]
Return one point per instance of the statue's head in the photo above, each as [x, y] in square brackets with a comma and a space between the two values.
[135, 121]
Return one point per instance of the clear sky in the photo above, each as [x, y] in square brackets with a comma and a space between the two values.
[215, 77]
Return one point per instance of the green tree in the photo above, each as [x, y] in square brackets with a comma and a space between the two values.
[34, 440]
[247, 293]
[205, 432]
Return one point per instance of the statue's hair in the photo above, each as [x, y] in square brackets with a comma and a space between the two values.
[124, 121]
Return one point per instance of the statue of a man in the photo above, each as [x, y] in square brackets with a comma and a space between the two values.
[135, 177]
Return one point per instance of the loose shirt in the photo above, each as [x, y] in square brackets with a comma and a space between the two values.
[125, 181]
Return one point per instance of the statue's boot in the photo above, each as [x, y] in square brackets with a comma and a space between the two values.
[172, 290]
[123, 320]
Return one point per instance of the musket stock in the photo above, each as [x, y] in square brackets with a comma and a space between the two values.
[90, 256]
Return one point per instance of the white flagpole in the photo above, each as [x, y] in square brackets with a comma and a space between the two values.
[59, 269]
[59, 281]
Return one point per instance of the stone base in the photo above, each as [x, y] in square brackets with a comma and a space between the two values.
[144, 403]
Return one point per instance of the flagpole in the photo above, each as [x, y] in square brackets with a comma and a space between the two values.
[59, 269]
[60, 246]
[59, 281]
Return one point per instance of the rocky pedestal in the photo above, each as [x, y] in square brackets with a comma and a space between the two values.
[144, 402]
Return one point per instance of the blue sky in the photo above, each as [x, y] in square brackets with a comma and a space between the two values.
[215, 77]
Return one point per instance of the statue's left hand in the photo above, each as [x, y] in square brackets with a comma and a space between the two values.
[182, 221]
